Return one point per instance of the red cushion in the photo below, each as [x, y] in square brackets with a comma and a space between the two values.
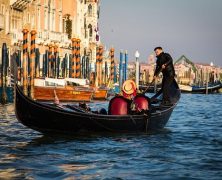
[118, 106]
[141, 103]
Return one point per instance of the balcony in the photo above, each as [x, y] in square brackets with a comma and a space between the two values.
[55, 36]
[48, 37]
[2, 22]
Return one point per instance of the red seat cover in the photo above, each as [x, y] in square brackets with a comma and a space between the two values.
[141, 103]
[118, 106]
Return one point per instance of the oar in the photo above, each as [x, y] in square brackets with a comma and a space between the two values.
[149, 86]
[152, 81]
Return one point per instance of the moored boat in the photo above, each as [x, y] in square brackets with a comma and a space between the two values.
[211, 88]
[100, 94]
[50, 118]
[68, 89]
[68, 93]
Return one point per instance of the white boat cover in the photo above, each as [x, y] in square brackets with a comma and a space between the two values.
[39, 82]
[60, 82]
[185, 87]
[81, 82]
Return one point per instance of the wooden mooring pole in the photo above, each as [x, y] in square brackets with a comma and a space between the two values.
[32, 63]
[3, 73]
[78, 58]
[73, 61]
[100, 65]
[112, 65]
[25, 61]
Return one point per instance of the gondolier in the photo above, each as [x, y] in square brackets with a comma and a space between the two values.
[164, 64]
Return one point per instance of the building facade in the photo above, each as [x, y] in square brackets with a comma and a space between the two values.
[55, 21]
[188, 73]
[5, 36]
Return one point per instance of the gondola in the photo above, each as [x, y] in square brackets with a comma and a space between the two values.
[212, 88]
[50, 118]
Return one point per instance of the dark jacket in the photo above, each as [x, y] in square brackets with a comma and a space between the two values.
[168, 71]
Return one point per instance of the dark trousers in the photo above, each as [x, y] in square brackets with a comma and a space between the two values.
[166, 82]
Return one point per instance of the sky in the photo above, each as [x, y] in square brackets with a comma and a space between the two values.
[181, 27]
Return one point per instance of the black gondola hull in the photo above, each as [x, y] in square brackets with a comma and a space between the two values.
[47, 118]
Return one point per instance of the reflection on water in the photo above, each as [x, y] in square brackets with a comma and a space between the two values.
[9, 173]
[188, 148]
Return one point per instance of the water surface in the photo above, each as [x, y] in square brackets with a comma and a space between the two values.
[190, 147]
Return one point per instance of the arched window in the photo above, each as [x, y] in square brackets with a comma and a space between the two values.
[68, 25]
[90, 10]
[90, 30]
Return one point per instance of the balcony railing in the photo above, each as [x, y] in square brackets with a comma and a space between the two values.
[48, 37]
[55, 36]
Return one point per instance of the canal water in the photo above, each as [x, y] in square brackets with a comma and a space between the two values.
[190, 147]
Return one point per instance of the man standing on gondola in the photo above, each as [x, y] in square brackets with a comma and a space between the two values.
[164, 64]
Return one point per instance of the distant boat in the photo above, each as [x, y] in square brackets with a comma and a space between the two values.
[212, 88]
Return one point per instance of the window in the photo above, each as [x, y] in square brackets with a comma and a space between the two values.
[29, 19]
[60, 22]
[2, 9]
[14, 23]
[60, 4]
[90, 10]
[53, 3]
[90, 30]
[63, 25]
[45, 18]
[33, 21]
[38, 17]
[53, 20]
